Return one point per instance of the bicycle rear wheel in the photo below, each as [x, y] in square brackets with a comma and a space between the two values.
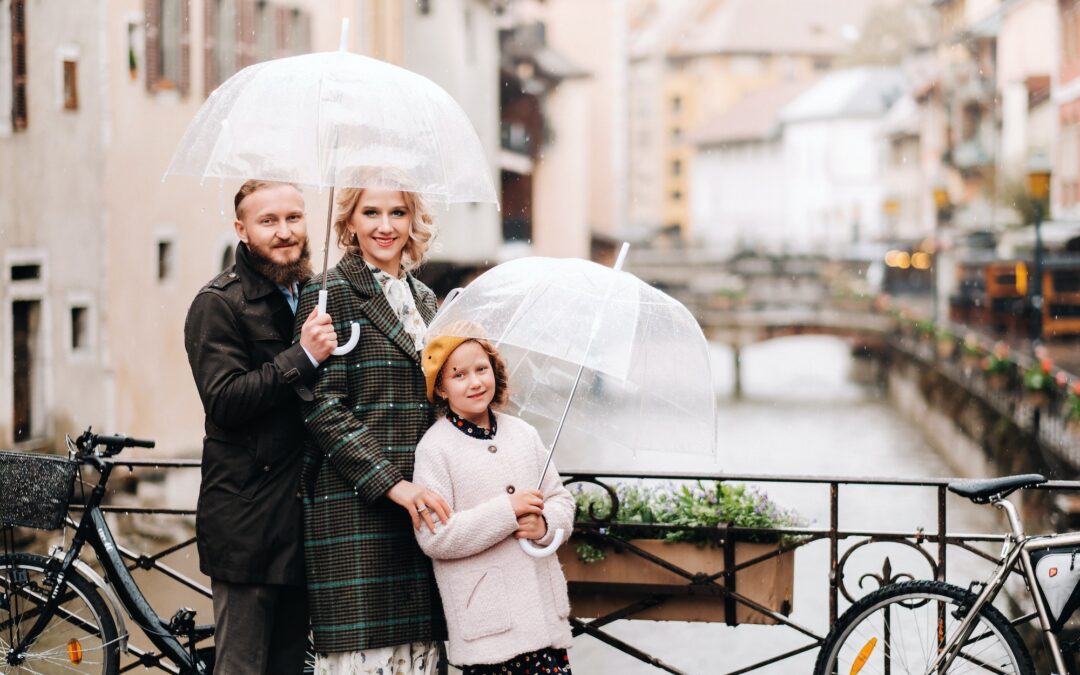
[895, 630]
[80, 637]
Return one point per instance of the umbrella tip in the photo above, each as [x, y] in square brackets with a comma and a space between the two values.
[622, 256]
[344, 44]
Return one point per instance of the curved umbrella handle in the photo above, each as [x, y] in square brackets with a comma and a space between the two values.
[542, 551]
[354, 337]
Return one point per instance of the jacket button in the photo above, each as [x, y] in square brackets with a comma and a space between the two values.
[266, 468]
[492, 449]
[510, 489]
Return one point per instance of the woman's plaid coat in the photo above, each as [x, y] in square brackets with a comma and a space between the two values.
[370, 584]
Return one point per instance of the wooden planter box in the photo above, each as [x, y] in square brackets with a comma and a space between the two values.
[621, 579]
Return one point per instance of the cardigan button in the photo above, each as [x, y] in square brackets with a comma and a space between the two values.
[510, 489]
[492, 449]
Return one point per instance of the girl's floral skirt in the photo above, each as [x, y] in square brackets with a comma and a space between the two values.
[547, 661]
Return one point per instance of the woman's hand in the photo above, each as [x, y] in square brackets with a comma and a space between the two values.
[531, 526]
[527, 502]
[419, 502]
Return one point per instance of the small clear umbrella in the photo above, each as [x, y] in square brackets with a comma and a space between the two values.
[337, 119]
[598, 359]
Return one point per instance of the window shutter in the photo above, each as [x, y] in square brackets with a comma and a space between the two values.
[282, 24]
[153, 43]
[185, 47]
[245, 33]
[209, 62]
[20, 112]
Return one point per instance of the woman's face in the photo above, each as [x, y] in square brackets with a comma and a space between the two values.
[468, 382]
[382, 225]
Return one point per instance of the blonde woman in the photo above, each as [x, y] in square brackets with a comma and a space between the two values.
[374, 604]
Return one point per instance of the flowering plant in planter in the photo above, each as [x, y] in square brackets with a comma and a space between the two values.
[998, 365]
[700, 505]
[684, 525]
[946, 342]
[971, 352]
[1072, 403]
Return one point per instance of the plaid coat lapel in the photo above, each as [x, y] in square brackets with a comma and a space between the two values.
[377, 309]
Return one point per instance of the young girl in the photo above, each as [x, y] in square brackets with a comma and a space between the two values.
[506, 611]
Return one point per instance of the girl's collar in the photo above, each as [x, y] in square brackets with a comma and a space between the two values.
[471, 430]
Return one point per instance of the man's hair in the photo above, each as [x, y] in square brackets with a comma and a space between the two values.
[254, 185]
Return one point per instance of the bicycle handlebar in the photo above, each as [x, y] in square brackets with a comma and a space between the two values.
[122, 441]
[113, 443]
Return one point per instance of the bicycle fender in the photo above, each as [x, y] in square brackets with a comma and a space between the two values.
[110, 597]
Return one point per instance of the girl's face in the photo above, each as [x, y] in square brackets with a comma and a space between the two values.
[382, 225]
[468, 383]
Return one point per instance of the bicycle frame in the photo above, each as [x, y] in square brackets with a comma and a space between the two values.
[92, 528]
[1017, 551]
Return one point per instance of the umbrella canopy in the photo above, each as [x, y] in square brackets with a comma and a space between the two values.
[337, 119]
[645, 380]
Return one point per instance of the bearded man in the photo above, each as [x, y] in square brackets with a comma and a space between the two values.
[251, 379]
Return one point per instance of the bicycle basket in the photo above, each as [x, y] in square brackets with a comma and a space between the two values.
[36, 489]
[1057, 572]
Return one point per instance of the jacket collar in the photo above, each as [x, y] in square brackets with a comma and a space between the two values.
[255, 284]
[375, 306]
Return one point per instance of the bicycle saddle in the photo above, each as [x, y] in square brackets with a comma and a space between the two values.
[981, 491]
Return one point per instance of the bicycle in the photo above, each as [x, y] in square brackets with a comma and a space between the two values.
[56, 613]
[935, 627]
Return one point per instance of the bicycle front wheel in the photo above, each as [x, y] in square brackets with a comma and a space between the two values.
[81, 635]
[895, 630]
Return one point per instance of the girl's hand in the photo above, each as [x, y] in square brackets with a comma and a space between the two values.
[526, 502]
[419, 502]
[531, 526]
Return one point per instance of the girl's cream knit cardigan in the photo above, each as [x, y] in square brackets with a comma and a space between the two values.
[499, 602]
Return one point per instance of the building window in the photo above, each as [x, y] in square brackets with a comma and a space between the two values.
[423, 6]
[19, 107]
[676, 167]
[25, 272]
[167, 46]
[78, 328]
[164, 259]
[70, 75]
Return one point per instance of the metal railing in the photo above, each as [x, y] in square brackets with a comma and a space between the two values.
[934, 547]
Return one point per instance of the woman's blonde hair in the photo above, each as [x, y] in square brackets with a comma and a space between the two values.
[423, 224]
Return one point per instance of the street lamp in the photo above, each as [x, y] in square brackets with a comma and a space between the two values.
[941, 211]
[1038, 186]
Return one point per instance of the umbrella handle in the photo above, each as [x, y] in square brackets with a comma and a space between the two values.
[542, 551]
[354, 337]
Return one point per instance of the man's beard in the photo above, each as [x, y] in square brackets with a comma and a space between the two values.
[284, 275]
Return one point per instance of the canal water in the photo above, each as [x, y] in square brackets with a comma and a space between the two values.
[802, 413]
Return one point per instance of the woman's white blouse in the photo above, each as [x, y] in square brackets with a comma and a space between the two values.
[399, 295]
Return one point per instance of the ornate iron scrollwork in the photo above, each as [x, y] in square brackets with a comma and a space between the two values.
[613, 497]
[887, 575]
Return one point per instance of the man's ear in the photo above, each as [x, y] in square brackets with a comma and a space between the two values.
[241, 230]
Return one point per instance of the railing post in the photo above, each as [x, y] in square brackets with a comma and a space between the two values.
[834, 551]
[736, 353]
[941, 521]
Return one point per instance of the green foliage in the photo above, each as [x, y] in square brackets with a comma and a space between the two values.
[1038, 378]
[1072, 402]
[696, 513]
[996, 364]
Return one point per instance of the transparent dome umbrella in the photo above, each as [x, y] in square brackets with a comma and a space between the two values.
[598, 359]
[332, 120]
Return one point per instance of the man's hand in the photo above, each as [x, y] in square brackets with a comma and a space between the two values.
[317, 335]
[531, 526]
[527, 502]
[420, 502]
